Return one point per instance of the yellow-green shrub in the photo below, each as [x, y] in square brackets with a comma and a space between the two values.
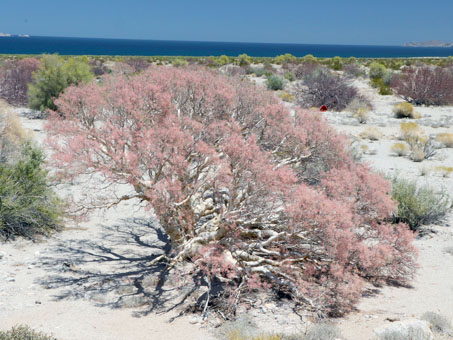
[400, 149]
[445, 170]
[404, 110]
[371, 133]
[286, 97]
[409, 129]
[446, 139]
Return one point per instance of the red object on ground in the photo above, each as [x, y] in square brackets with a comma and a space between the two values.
[323, 108]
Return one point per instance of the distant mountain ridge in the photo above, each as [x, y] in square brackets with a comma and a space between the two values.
[430, 43]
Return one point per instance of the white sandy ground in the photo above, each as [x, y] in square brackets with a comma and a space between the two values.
[93, 282]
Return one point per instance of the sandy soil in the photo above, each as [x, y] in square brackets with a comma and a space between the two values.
[94, 281]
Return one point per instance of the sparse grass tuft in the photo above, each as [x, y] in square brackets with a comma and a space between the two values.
[446, 139]
[400, 149]
[323, 331]
[24, 333]
[445, 171]
[439, 323]
[371, 133]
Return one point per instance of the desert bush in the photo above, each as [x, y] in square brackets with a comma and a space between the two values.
[400, 149]
[325, 88]
[222, 60]
[371, 133]
[359, 107]
[53, 77]
[285, 58]
[259, 71]
[446, 139]
[323, 331]
[305, 69]
[15, 75]
[376, 70]
[310, 59]
[137, 64]
[418, 205]
[28, 205]
[439, 323]
[251, 194]
[289, 76]
[244, 60]
[179, 62]
[24, 333]
[425, 85]
[98, 68]
[353, 70]
[409, 129]
[275, 83]
[421, 146]
[404, 110]
[336, 63]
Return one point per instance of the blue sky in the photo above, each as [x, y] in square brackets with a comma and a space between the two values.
[383, 22]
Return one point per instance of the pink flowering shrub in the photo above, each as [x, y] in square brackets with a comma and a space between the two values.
[249, 194]
[15, 75]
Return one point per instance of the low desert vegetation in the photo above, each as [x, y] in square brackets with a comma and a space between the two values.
[359, 107]
[372, 133]
[425, 85]
[445, 171]
[419, 205]
[24, 333]
[446, 139]
[254, 197]
[15, 75]
[275, 83]
[28, 206]
[322, 87]
[440, 324]
[404, 110]
[400, 149]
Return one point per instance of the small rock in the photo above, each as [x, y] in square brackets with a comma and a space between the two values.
[194, 319]
[37, 302]
[10, 279]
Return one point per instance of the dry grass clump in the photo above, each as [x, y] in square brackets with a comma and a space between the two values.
[421, 146]
[286, 97]
[238, 336]
[400, 149]
[11, 132]
[409, 129]
[439, 323]
[323, 331]
[371, 133]
[24, 333]
[445, 170]
[405, 110]
[360, 109]
[446, 139]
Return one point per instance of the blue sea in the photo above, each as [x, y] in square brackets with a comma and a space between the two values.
[95, 46]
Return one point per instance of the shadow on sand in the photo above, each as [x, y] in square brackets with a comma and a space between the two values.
[113, 269]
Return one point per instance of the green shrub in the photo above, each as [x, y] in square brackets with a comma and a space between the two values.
[285, 58]
[290, 76]
[222, 60]
[404, 110]
[275, 83]
[418, 205]
[53, 77]
[310, 59]
[24, 333]
[336, 63]
[244, 60]
[377, 70]
[179, 62]
[28, 206]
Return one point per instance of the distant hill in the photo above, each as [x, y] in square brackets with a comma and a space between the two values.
[431, 43]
